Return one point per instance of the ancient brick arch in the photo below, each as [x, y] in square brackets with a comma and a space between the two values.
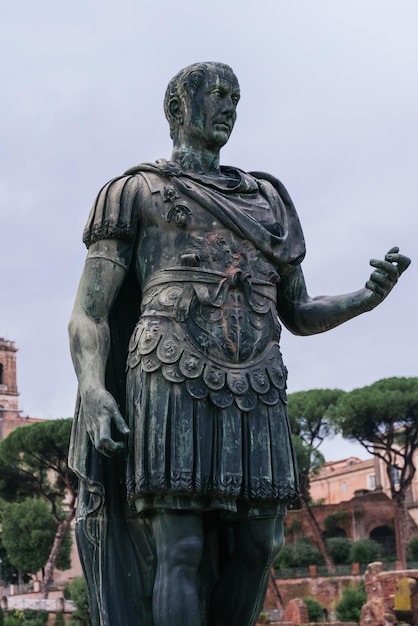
[385, 536]
[391, 596]
[336, 532]
[365, 513]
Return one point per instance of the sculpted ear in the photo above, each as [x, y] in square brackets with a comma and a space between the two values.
[175, 110]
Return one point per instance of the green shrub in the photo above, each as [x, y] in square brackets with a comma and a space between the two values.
[413, 549]
[306, 553]
[366, 551]
[339, 549]
[294, 527]
[14, 619]
[59, 619]
[28, 617]
[1, 617]
[314, 607]
[285, 558]
[76, 590]
[299, 554]
[349, 607]
[32, 617]
[335, 520]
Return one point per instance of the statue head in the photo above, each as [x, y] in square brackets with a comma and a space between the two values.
[182, 89]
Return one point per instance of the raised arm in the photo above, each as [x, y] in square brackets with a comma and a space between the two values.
[304, 315]
[101, 279]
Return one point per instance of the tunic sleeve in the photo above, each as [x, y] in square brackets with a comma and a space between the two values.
[114, 214]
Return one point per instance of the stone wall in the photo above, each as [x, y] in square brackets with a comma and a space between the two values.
[364, 513]
[328, 591]
[392, 597]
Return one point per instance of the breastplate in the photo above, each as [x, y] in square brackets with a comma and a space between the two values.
[209, 312]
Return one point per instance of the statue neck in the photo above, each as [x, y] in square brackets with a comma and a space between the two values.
[196, 161]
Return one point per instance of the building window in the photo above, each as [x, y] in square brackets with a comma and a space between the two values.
[344, 486]
[1, 373]
[371, 482]
[396, 475]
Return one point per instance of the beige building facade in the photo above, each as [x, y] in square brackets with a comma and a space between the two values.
[339, 481]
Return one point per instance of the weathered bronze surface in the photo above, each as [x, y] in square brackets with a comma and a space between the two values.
[181, 439]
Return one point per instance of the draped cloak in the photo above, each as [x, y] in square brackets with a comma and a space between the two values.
[116, 549]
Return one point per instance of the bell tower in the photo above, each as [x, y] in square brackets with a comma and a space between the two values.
[9, 406]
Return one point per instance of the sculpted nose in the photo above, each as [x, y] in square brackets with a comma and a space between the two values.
[229, 107]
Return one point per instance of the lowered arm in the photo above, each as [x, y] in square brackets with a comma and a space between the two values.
[100, 282]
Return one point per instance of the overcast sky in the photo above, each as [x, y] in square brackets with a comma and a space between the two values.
[329, 105]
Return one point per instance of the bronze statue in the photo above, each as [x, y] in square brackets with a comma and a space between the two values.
[181, 438]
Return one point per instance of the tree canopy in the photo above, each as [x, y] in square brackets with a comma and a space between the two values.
[28, 534]
[8, 573]
[383, 418]
[310, 419]
[311, 414]
[33, 463]
[310, 460]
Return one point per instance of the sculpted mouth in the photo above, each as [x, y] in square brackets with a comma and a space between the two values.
[224, 125]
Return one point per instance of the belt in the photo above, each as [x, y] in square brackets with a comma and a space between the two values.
[211, 288]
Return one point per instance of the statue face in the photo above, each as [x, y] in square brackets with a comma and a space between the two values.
[209, 118]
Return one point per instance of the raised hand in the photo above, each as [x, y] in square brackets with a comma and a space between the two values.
[387, 272]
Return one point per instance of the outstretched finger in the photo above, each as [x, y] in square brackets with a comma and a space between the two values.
[402, 261]
[386, 269]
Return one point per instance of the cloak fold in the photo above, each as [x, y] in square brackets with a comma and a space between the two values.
[116, 550]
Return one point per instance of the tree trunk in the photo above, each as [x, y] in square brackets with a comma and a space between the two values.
[50, 564]
[317, 533]
[276, 590]
[402, 527]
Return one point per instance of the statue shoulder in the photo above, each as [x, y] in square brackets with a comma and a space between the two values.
[277, 184]
[286, 215]
[115, 211]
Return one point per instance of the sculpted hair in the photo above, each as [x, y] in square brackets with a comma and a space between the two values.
[184, 86]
